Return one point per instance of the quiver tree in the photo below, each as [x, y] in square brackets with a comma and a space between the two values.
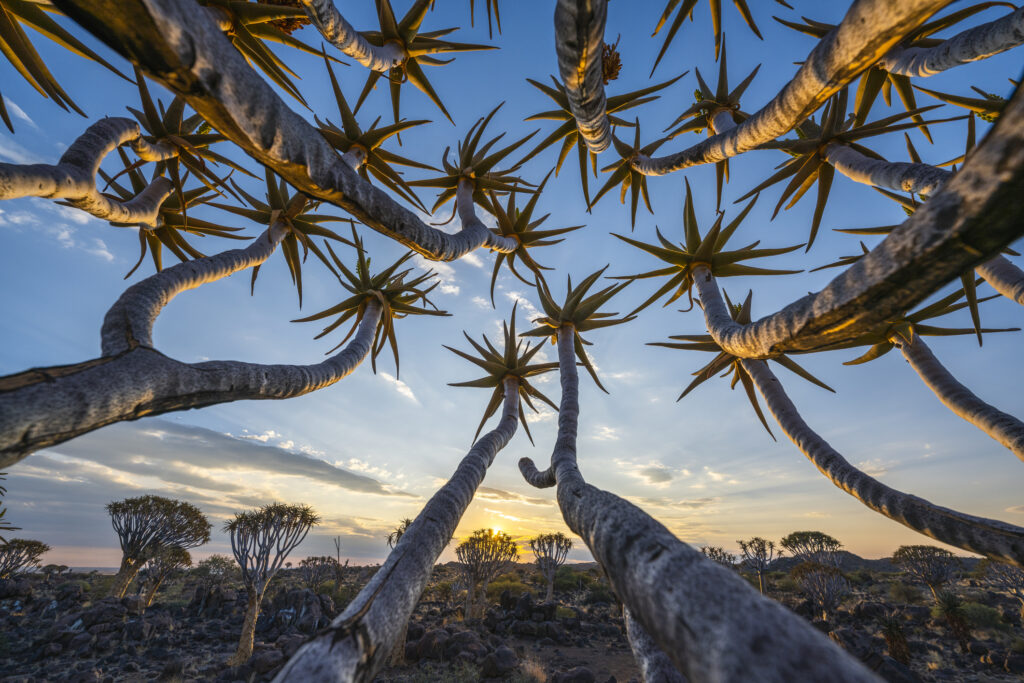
[4, 524]
[823, 584]
[1007, 578]
[316, 571]
[261, 540]
[812, 546]
[758, 555]
[482, 556]
[718, 554]
[20, 555]
[160, 566]
[928, 564]
[551, 551]
[146, 524]
[395, 535]
[951, 608]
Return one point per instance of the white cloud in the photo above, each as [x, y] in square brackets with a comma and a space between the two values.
[14, 153]
[400, 386]
[19, 113]
[876, 467]
[445, 274]
[606, 433]
[472, 259]
[525, 304]
[481, 302]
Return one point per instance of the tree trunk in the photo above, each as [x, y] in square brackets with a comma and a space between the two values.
[252, 613]
[760, 581]
[398, 652]
[127, 572]
[468, 614]
[152, 591]
[550, 594]
[1004, 428]
[655, 666]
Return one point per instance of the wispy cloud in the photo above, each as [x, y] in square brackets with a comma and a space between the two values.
[445, 274]
[605, 433]
[652, 473]
[19, 113]
[875, 467]
[399, 386]
[488, 493]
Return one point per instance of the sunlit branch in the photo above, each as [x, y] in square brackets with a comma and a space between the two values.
[339, 33]
[73, 178]
[579, 42]
[1005, 278]
[894, 175]
[988, 537]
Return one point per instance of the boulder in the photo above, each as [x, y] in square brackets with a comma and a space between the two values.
[432, 644]
[1014, 664]
[501, 662]
[870, 611]
[524, 607]
[464, 643]
[580, 674]
[135, 604]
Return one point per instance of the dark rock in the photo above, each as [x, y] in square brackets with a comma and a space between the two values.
[977, 648]
[15, 588]
[465, 642]
[523, 628]
[1014, 664]
[548, 610]
[105, 611]
[506, 601]
[890, 669]
[524, 607]
[266, 660]
[432, 644]
[870, 611]
[415, 631]
[916, 613]
[80, 642]
[501, 662]
[138, 629]
[135, 604]
[289, 644]
[173, 671]
[580, 674]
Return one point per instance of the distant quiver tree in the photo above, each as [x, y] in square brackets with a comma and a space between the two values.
[482, 556]
[20, 555]
[551, 551]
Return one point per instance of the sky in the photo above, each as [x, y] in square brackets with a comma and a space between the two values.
[371, 449]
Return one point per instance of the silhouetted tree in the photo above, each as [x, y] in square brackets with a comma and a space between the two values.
[160, 566]
[759, 554]
[551, 550]
[932, 566]
[148, 523]
[4, 524]
[813, 546]
[823, 584]
[316, 571]
[482, 556]
[20, 555]
[719, 555]
[396, 534]
[261, 540]
[1006, 577]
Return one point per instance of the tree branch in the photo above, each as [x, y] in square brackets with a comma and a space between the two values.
[358, 642]
[988, 537]
[895, 175]
[579, 44]
[341, 34]
[74, 177]
[655, 666]
[870, 29]
[1005, 278]
[967, 46]
[1004, 428]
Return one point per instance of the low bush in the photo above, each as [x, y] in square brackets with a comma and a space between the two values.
[983, 616]
[510, 582]
[905, 593]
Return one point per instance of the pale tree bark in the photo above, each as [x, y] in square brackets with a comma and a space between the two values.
[151, 593]
[655, 666]
[43, 407]
[339, 33]
[895, 175]
[971, 219]
[870, 29]
[579, 44]
[126, 573]
[188, 53]
[707, 620]
[358, 642]
[245, 642]
[722, 121]
[967, 46]
[1004, 428]
[1005, 278]
[73, 178]
[989, 537]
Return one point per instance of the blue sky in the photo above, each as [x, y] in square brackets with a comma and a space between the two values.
[370, 450]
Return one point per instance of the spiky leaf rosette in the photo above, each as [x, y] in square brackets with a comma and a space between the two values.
[988, 107]
[251, 25]
[418, 47]
[625, 176]
[301, 217]
[730, 364]
[399, 292]
[170, 127]
[711, 104]
[173, 221]
[474, 161]
[520, 225]
[568, 133]
[377, 161]
[684, 9]
[580, 311]
[877, 80]
[885, 337]
[22, 55]
[695, 250]
[808, 165]
[513, 360]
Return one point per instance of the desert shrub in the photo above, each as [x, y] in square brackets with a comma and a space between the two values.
[860, 577]
[905, 593]
[599, 594]
[530, 671]
[564, 613]
[787, 584]
[511, 582]
[1017, 646]
[568, 579]
[982, 616]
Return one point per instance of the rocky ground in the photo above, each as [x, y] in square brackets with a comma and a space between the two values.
[61, 629]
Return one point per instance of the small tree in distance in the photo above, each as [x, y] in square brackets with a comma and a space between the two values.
[20, 555]
[4, 525]
[719, 555]
[484, 555]
[316, 571]
[550, 551]
[759, 553]
[160, 565]
[396, 534]
[147, 523]
[1006, 577]
[813, 546]
[932, 566]
[261, 540]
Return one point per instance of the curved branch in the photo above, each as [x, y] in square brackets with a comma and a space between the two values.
[1005, 278]
[895, 175]
[187, 52]
[989, 537]
[579, 44]
[472, 224]
[1006, 429]
[970, 220]
[358, 642]
[968, 46]
[339, 33]
[43, 407]
[74, 177]
[839, 57]
[655, 666]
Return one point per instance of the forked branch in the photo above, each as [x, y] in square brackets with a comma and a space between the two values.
[341, 34]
